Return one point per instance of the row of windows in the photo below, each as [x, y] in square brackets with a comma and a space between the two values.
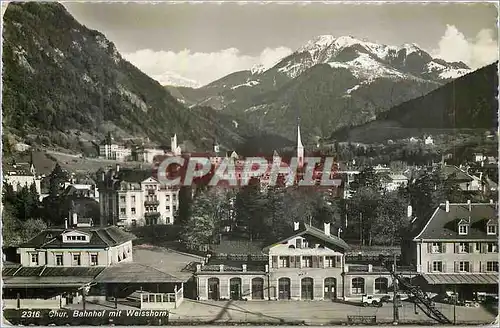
[358, 286]
[463, 266]
[149, 198]
[152, 221]
[464, 247]
[76, 259]
[123, 211]
[491, 228]
[73, 238]
[305, 261]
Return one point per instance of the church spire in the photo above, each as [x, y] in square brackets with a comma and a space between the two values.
[300, 147]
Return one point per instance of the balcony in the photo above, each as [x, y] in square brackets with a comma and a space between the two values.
[151, 202]
[151, 191]
[151, 214]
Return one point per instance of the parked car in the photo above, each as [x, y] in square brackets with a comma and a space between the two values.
[471, 303]
[370, 300]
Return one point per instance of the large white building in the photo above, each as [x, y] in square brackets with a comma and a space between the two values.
[114, 152]
[22, 175]
[132, 197]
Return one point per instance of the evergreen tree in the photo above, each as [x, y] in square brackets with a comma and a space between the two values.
[57, 178]
[203, 226]
[250, 204]
[185, 204]
[276, 221]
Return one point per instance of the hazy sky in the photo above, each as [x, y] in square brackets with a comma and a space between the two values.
[203, 42]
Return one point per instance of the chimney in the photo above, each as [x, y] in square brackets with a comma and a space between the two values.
[198, 267]
[491, 201]
[267, 268]
[244, 267]
[469, 205]
[327, 228]
[339, 231]
[75, 219]
[221, 267]
[447, 206]
[66, 223]
[117, 168]
[296, 226]
[409, 211]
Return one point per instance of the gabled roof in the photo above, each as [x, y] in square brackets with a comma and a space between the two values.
[397, 177]
[305, 229]
[238, 247]
[454, 173]
[134, 176]
[100, 237]
[444, 225]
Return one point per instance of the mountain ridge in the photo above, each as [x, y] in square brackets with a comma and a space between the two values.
[374, 78]
[62, 81]
[468, 103]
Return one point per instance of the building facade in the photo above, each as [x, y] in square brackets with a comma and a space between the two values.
[458, 248]
[22, 175]
[113, 151]
[132, 197]
[308, 265]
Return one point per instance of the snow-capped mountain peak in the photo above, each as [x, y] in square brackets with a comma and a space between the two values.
[176, 80]
[319, 42]
[411, 48]
[405, 61]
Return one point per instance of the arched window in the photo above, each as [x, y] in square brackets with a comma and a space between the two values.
[358, 285]
[291, 246]
[381, 285]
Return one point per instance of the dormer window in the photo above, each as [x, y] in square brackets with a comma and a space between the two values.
[491, 228]
[463, 228]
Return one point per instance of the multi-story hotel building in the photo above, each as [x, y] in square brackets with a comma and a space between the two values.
[135, 197]
[458, 248]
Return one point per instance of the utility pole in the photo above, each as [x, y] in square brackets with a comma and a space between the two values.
[455, 305]
[360, 230]
[395, 302]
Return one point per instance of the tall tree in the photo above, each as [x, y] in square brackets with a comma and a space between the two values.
[276, 221]
[207, 212]
[57, 178]
[391, 219]
[185, 204]
[367, 178]
[249, 205]
[362, 214]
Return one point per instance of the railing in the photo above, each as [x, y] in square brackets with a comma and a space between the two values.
[152, 214]
[178, 295]
[421, 299]
[152, 202]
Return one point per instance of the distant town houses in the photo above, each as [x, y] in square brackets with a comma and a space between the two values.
[131, 198]
[392, 182]
[136, 151]
[464, 180]
[81, 190]
[428, 140]
[111, 150]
